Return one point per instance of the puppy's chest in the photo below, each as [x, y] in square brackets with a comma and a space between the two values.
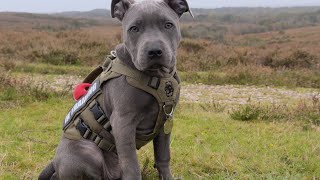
[147, 119]
[142, 110]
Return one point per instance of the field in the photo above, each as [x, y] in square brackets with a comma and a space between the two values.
[250, 105]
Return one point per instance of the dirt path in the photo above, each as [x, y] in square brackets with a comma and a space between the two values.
[233, 94]
[226, 94]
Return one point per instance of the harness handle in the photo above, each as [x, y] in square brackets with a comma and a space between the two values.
[97, 71]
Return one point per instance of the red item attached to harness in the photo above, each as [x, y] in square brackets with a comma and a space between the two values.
[80, 90]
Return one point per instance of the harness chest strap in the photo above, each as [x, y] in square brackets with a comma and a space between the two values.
[165, 90]
[90, 121]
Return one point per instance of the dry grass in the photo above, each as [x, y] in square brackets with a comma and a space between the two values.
[59, 48]
[249, 59]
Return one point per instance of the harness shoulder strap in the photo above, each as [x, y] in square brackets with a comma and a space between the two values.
[98, 70]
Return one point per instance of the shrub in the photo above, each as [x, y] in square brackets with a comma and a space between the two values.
[59, 57]
[22, 91]
[192, 46]
[298, 59]
[7, 64]
[307, 113]
[8, 94]
[245, 113]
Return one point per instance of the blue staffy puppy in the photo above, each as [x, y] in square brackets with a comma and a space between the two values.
[151, 35]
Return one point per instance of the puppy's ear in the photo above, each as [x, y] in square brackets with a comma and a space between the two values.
[119, 8]
[179, 6]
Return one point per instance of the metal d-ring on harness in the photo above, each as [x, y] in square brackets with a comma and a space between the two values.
[113, 54]
[170, 114]
[168, 125]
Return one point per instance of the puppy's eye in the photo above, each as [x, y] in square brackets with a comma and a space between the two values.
[168, 25]
[134, 29]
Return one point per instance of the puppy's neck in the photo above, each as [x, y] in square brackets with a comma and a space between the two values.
[124, 56]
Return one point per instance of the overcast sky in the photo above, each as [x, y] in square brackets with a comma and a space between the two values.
[85, 5]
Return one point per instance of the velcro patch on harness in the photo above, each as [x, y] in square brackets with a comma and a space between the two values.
[81, 103]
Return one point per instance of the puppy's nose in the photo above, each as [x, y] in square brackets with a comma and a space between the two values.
[153, 53]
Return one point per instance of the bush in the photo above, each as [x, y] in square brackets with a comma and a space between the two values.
[191, 46]
[59, 57]
[22, 91]
[298, 59]
[245, 113]
[212, 32]
[7, 64]
[303, 112]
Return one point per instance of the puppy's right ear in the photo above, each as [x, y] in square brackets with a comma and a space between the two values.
[119, 8]
[179, 6]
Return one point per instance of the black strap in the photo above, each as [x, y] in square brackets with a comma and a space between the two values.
[84, 130]
[106, 143]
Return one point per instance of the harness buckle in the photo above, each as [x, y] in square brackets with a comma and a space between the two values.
[98, 113]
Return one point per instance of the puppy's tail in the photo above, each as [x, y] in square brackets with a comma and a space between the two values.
[47, 173]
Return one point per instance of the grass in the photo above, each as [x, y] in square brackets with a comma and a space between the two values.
[250, 142]
[206, 144]
[42, 68]
[307, 113]
[16, 92]
[24, 147]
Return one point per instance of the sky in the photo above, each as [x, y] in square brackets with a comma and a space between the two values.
[51, 6]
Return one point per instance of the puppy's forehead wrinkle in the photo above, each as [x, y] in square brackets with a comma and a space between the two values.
[152, 9]
[148, 1]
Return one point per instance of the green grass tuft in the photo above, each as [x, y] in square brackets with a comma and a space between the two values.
[205, 144]
[245, 113]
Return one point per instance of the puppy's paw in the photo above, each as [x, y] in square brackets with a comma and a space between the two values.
[165, 174]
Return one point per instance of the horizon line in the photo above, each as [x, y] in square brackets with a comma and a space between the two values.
[56, 12]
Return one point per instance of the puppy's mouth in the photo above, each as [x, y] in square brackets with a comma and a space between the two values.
[158, 67]
[158, 70]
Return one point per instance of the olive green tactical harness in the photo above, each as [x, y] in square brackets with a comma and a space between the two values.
[87, 118]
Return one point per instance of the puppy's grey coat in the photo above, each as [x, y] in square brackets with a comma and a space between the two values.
[151, 35]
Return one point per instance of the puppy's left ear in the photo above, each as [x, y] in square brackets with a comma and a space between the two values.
[119, 8]
[179, 6]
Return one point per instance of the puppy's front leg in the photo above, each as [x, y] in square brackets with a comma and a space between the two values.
[124, 131]
[161, 145]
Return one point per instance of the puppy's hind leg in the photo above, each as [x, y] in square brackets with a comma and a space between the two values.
[47, 173]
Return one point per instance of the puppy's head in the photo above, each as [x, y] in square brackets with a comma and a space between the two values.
[151, 31]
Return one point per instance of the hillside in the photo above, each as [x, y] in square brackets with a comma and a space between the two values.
[93, 14]
[53, 22]
[213, 24]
